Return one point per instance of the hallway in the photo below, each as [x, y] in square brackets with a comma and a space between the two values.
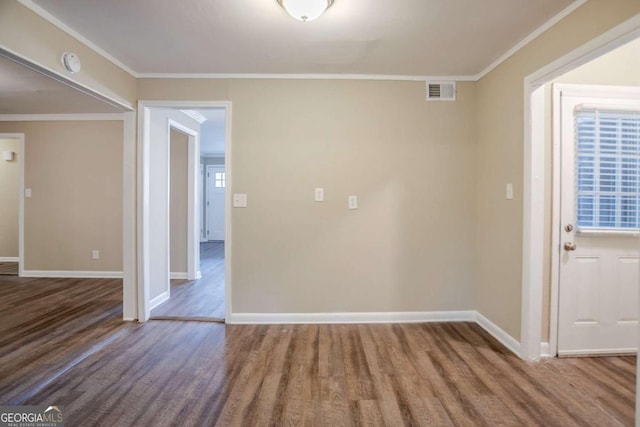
[203, 297]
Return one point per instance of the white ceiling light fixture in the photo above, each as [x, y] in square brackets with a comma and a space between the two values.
[305, 10]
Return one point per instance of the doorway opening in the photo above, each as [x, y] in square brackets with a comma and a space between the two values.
[11, 203]
[191, 156]
[539, 252]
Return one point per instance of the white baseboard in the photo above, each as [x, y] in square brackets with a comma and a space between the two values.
[73, 274]
[179, 276]
[611, 352]
[498, 333]
[384, 317]
[158, 300]
[544, 349]
[129, 319]
[9, 259]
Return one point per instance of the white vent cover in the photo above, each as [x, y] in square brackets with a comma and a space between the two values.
[441, 91]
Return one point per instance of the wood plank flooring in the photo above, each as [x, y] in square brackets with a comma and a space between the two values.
[9, 268]
[47, 325]
[61, 342]
[199, 298]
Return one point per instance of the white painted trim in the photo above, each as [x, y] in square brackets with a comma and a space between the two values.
[73, 33]
[163, 297]
[9, 258]
[349, 318]
[378, 317]
[73, 274]
[554, 293]
[129, 287]
[193, 223]
[531, 37]
[615, 351]
[113, 99]
[143, 213]
[533, 233]
[179, 276]
[606, 42]
[498, 333]
[310, 76]
[533, 154]
[143, 216]
[60, 117]
[544, 350]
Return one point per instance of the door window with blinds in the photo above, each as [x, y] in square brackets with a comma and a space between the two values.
[608, 170]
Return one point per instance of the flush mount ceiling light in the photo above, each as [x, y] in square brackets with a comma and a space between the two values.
[305, 10]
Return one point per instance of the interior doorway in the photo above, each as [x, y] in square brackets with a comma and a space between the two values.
[204, 297]
[11, 203]
[542, 256]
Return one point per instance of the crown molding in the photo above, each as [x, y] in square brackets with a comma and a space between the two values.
[382, 77]
[388, 77]
[29, 4]
[531, 37]
[60, 117]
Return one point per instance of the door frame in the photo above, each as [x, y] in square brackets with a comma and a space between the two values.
[20, 138]
[589, 91]
[207, 167]
[193, 238]
[143, 185]
[533, 250]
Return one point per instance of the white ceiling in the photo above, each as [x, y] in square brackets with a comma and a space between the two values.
[212, 131]
[384, 37]
[24, 91]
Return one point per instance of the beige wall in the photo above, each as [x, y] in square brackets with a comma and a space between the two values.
[74, 170]
[24, 32]
[9, 182]
[620, 67]
[500, 156]
[178, 190]
[410, 245]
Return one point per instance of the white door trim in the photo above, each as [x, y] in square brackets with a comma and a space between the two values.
[534, 209]
[193, 231]
[143, 219]
[129, 292]
[20, 138]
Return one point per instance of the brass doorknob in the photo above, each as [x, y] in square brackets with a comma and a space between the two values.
[569, 246]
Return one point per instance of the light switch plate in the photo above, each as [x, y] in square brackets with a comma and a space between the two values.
[353, 202]
[95, 254]
[239, 200]
[319, 194]
[509, 191]
[27, 192]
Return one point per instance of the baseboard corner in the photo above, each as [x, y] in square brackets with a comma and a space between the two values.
[498, 333]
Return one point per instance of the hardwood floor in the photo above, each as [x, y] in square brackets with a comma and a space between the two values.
[9, 268]
[203, 298]
[48, 325]
[62, 342]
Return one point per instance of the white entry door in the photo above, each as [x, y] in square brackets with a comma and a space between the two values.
[203, 236]
[599, 221]
[215, 202]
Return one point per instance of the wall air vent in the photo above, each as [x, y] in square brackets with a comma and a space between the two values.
[441, 91]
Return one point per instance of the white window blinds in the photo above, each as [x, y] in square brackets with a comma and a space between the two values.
[608, 169]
